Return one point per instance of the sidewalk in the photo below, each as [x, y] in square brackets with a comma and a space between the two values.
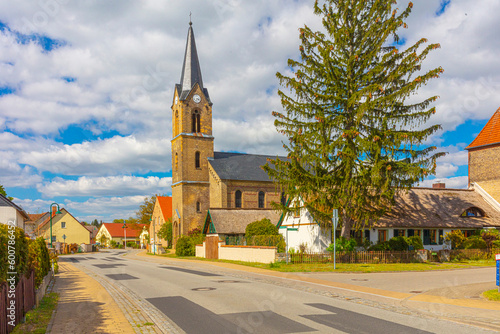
[84, 306]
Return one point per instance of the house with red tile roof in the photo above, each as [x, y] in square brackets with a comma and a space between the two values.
[116, 232]
[484, 158]
[65, 228]
[162, 213]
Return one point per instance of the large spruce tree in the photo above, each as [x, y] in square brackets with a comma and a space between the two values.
[354, 138]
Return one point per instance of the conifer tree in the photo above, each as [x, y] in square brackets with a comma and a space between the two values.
[354, 139]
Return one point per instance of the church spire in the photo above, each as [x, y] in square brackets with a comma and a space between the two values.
[191, 71]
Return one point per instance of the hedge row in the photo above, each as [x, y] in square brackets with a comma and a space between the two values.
[23, 255]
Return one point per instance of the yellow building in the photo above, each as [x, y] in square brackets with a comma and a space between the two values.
[65, 228]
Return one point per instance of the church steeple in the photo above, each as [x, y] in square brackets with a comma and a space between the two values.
[191, 70]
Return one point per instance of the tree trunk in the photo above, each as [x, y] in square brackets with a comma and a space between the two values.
[346, 226]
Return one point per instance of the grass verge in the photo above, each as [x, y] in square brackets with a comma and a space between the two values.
[38, 319]
[492, 295]
[351, 267]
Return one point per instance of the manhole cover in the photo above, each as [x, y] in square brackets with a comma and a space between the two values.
[230, 281]
[415, 291]
[360, 279]
[203, 289]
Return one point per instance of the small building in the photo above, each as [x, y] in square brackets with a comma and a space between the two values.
[93, 232]
[65, 228]
[10, 212]
[116, 232]
[430, 213]
[302, 229]
[162, 213]
[230, 224]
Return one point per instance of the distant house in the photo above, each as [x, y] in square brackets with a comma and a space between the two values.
[31, 225]
[302, 229]
[93, 232]
[65, 228]
[116, 232]
[162, 213]
[230, 224]
[10, 212]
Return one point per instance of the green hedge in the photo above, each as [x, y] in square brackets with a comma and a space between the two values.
[27, 254]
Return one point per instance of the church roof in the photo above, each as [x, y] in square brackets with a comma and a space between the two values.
[191, 70]
[240, 166]
[490, 134]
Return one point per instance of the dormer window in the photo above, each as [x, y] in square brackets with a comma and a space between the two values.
[473, 212]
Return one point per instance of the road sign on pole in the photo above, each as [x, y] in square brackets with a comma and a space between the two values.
[335, 221]
[497, 257]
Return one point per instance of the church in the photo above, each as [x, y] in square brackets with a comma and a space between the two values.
[202, 179]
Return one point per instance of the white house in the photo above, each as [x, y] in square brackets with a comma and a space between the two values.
[10, 212]
[302, 229]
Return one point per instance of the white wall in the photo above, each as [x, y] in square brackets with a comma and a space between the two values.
[247, 253]
[308, 232]
[8, 213]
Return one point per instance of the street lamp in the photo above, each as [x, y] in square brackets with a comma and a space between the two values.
[50, 212]
[125, 231]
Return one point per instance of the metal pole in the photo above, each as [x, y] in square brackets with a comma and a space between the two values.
[154, 238]
[286, 253]
[50, 213]
[334, 248]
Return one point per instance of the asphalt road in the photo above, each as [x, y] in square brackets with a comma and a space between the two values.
[199, 299]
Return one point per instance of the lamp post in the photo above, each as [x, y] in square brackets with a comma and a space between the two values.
[50, 213]
[125, 232]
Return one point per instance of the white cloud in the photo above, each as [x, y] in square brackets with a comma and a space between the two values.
[458, 182]
[106, 186]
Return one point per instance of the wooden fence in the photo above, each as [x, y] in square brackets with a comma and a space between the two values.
[24, 301]
[357, 257]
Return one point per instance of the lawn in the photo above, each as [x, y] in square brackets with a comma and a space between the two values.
[38, 319]
[492, 295]
[355, 267]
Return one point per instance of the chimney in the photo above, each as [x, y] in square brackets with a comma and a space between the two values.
[439, 185]
[54, 210]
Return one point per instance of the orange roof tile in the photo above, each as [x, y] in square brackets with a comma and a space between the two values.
[490, 134]
[165, 206]
[116, 230]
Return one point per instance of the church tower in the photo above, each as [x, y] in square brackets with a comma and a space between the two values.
[192, 144]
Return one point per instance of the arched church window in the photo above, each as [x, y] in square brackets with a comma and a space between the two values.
[237, 199]
[283, 198]
[197, 160]
[262, 199]
[196, 122]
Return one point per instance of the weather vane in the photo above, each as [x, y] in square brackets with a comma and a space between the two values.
[190, 23]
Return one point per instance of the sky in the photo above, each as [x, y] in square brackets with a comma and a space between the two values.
[86, 89]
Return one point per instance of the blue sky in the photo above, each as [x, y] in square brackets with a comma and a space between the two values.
[86, 89]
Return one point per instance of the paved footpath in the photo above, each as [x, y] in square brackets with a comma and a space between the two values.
[85, 306]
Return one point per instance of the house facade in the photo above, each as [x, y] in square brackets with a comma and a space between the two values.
[116, 232]
[10, 212]
[162, 213]
[65, 228]
[300, 229]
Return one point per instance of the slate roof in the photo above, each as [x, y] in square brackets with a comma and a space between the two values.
[490, 134]
[240, 166]
[191, 69]
[439, 208]
[117, 231]
[4, 201]
[235, 221]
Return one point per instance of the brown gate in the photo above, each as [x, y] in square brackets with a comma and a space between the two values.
[212, 247]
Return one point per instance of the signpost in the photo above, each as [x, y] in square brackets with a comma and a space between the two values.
[497, 257]
[64, 243]
[335, 221]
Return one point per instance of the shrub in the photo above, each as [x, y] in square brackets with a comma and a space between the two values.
[261, 227]
[398, 244]
[185, 246]
[415, 241]
[268, 240]
[380, 246]
[165, 232]
[343, 245]
[113, 244]
[490, 237]
[457, 238]
[474, 242]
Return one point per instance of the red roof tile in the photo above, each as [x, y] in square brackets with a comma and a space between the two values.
[490, 134]
[165, 206]
[116, 230]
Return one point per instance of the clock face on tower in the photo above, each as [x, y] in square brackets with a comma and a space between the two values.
[196, 98]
